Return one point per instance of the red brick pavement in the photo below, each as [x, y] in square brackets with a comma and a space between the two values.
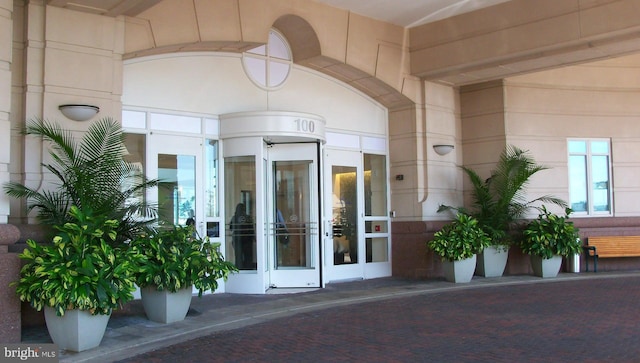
[566, 321]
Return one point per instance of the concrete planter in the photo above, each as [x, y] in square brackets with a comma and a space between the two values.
[76, 330]
[459, 271]
[164, 306]
[492, 261]
[546, 267]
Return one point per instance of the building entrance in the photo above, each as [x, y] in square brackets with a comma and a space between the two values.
[292, 201]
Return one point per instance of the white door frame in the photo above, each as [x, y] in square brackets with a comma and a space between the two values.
[304, 233]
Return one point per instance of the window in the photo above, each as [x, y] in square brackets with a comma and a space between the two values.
[240, 189]
[589, 176]
[212, 209]
[269, 65]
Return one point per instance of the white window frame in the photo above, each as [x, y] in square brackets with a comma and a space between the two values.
[590, 212]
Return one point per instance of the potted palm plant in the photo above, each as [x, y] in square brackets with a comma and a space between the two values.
[173, 261]
[78, 279]
[91, 174]
[457, 244]
[499, 203]
[93, 205]
[549, 238]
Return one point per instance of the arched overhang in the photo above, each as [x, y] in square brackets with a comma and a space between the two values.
[306, 51]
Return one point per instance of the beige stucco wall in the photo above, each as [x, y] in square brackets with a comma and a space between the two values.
[60, 57]
[539, 112]
[596, 100]
[369, 45]
[215, 84]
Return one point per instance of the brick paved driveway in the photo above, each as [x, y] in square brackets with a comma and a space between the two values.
[567, 321]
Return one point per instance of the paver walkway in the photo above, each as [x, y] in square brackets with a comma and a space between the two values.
[572, 318]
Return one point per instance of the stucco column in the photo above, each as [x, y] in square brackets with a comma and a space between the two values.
[6, 41]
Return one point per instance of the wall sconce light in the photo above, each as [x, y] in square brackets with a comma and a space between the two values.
[442, 149]
[400, 177]
[79, 112]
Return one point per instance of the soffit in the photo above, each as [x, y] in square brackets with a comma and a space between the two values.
[405, 13]
[106, 7]
[408, 13]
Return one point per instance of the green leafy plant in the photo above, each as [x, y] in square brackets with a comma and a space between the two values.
[91, 174]
[500, 201]
[550, 235]
[173, 259]
[460, 239]
[79, 269]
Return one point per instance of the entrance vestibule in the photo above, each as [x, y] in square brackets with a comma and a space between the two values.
[289, 211]
[273, 230]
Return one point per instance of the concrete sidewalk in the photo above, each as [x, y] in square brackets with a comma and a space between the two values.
[130, 334]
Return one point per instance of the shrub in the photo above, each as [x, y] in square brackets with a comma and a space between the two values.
[460, 239]
[550, 235]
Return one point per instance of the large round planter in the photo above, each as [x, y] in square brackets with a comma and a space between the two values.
[492, 261]
[459, 271]
[546, 267]
[76, 330]
[164, 306]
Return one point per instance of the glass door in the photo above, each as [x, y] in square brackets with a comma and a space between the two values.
[344, 249]
[177, 162]
[293, 233]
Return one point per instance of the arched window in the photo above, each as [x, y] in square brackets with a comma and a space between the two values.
[269, 65]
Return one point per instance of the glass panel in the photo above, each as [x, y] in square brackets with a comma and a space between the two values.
[278, 72]
[578, 180]
[600, 147]
[240, 191]
[261, 50]
[211, 191]
[600, 179]
[277, 47]
[375, 227]
[377, 250]
[176, 190]
[257, 69]
[265, 193]
[577, 147]
[292, 214]
[375, 185]
[345, 215]
[136, 154]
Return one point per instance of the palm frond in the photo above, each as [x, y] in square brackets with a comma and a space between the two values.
[91, 175]
[499, 201]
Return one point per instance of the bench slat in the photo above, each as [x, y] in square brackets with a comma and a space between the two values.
[616, 246]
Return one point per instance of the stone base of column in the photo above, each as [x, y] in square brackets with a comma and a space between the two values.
[10, 322]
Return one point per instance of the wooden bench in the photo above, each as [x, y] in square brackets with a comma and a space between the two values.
[610, 246]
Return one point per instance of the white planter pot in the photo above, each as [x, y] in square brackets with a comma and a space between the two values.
[459, 271]
[76, 330]
[165, 307]
[492, 261]
[546, 267]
